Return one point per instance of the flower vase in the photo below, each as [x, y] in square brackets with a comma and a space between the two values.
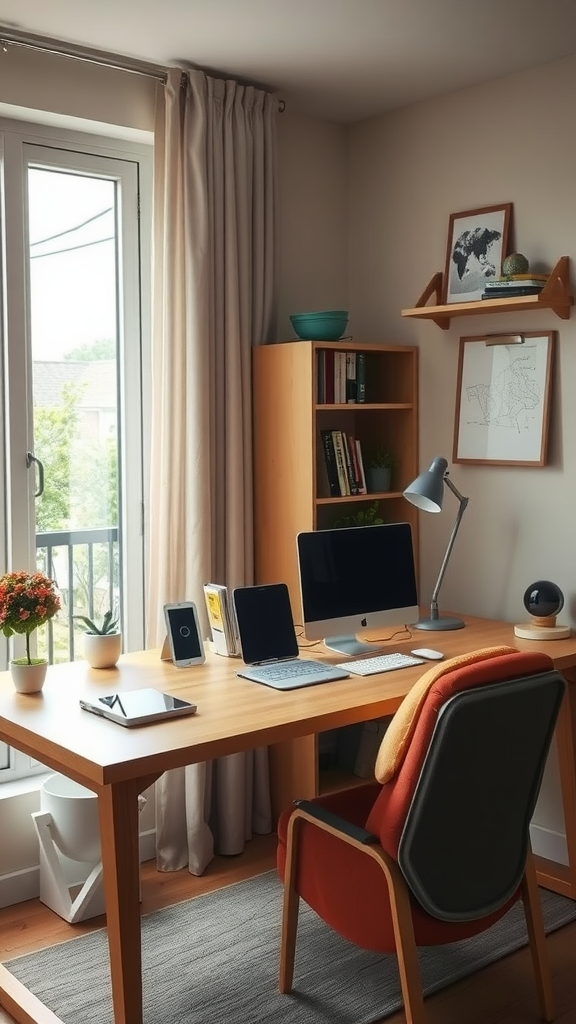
[28, 678]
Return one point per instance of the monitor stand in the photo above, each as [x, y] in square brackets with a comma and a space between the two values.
[349, 645]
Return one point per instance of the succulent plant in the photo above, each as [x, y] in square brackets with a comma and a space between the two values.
[108, 625]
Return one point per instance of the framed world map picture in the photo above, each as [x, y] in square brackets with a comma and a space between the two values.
[503, 399]
[477, 244]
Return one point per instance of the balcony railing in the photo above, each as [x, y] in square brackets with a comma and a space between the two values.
[85, 565]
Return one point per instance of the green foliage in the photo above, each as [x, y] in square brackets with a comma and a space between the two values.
[102, 348]
[109, 624]
[381, 458]
[366, 516]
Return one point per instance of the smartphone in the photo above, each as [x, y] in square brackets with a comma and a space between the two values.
[184, 638]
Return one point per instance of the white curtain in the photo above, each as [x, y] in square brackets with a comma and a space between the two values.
[214, 297]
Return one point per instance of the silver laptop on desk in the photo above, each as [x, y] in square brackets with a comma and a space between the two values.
[269, 644]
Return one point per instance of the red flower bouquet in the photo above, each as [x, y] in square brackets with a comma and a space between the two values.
[27, 600]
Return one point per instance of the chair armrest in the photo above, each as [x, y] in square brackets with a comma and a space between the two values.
[326, 817]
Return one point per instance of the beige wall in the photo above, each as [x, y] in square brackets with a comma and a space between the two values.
[313, 218]
[509, 141]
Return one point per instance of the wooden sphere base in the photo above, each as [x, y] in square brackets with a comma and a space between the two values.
[534, 631]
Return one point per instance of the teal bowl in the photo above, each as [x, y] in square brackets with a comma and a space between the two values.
[328, 325]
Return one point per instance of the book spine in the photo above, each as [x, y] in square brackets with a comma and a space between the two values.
[339, 377]
[341, 462]
[217, 620]
[361, 377]
[363, 486]
[354, 455]
[351, 377]
[330, 376]
[331, 464]
[321, 376]
[349, 465]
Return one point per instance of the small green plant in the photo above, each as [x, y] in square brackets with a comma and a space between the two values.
[108, 625]
[381, 458]
[369, 516]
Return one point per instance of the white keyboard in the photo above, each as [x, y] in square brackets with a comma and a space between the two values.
[380, 663]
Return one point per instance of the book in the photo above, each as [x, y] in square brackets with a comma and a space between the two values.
[349, 464]
[340, 378]
[363, 486]
[321, 375]
[509, 293]
[360, 376]
[341, 463]
[222, 620]
[351, 377]
[524, 277]
[331, 464]
[329, 375]
[509, 283]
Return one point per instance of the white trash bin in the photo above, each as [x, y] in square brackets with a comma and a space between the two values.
[68, 828]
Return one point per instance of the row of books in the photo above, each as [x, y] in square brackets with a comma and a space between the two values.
[222, 619]
[514, 284]
[341, 377]
[344, 463]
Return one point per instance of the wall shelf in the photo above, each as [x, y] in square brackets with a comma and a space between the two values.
[554, 296]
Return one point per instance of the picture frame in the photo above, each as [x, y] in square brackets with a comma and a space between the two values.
[477, 243]
[503, 399]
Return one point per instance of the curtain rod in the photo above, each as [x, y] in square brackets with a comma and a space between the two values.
[47, 44]
[90, 56]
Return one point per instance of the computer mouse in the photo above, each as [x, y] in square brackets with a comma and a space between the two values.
[428, 653]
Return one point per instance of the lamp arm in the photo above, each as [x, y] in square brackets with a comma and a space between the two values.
[463, 503]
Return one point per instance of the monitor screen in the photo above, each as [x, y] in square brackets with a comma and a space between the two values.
[354, 579]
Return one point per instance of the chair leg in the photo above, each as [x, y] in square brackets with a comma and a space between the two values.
[537, 939]
[406, 951]
[290, 907]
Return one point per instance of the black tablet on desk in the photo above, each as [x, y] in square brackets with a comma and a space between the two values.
[138, 707]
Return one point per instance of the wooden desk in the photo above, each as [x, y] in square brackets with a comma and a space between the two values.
[233, 715]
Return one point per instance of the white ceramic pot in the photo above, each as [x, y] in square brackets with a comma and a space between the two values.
[28, 678]
[102, 651]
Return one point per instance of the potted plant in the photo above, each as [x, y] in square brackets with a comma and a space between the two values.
[102, 643]
[380, 470]
[27, 600]
[369, 516]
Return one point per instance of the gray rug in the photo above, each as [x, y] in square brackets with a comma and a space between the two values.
[215, 958]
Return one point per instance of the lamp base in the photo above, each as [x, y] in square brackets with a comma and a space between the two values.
[443, 622]
[533, 631]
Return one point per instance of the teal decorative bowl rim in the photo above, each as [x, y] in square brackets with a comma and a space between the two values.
[337, 314]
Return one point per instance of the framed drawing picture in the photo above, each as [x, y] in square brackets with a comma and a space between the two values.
[503, 399]
[477, 244]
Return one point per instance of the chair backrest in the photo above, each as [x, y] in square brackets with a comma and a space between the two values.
[464, 840]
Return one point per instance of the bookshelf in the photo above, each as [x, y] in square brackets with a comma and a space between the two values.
[291, 489]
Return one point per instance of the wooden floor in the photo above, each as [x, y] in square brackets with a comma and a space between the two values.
[501, 994]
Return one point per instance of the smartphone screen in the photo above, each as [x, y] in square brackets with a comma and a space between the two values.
[185, 637]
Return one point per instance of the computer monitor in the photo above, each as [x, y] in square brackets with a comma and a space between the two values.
[354, 579]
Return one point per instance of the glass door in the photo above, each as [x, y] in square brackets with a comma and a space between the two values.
[72, 350]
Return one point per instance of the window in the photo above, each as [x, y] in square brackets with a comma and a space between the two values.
[75, 225]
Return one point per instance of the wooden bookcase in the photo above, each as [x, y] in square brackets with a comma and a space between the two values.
[291, 492]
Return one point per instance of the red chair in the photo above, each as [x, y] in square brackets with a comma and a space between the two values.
[437, 849]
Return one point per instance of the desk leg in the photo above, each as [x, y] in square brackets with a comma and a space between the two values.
[118, 807]
[558, 877]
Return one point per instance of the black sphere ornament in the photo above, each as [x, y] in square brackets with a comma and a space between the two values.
[543, 598]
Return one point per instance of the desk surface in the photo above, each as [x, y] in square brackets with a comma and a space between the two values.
[233, 715]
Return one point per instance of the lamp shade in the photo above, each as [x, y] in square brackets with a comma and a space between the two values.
[426, 492]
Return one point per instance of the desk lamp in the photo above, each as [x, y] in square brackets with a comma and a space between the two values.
[427, 494]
